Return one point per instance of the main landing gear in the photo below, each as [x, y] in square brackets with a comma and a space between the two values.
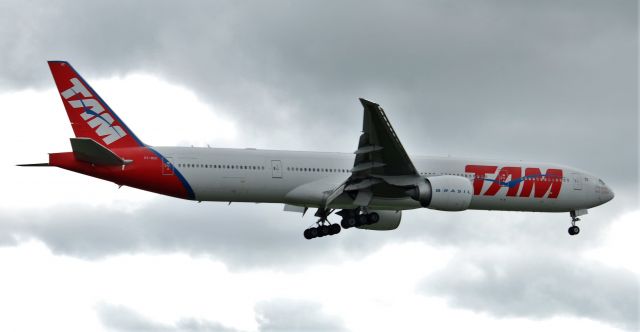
[350, 218]
[321, 230]
[324, 227]
[574, 230]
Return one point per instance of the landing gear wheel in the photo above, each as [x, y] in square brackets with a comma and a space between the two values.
[348, 222]
[307, 234]
[334, 229]
[313, 232]
[323, 230]
[362, 220]
[372, 218]
[574, 230]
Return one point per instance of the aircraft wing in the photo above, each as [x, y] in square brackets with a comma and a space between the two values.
[381, 167]
[379, 149]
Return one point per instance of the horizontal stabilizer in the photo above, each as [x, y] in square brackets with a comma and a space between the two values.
[34, 165]
[88, 150]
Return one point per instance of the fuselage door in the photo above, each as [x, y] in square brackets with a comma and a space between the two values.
[577, 181]
[167, 168]
[276, 169]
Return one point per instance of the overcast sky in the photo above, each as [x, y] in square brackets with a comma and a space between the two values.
[552, 81]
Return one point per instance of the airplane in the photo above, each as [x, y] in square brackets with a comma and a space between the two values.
[368, 189]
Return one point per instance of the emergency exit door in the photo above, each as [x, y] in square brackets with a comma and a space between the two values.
[276, 169]
[577, 181]
[167, 167]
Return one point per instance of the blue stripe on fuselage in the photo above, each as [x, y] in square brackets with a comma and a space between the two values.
[190, 194]
[514, 182]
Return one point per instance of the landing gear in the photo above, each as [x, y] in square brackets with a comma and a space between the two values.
[574, 230]
[324, 227]
[321, 230]
[348, 222]
[350, 218]
[353, 218]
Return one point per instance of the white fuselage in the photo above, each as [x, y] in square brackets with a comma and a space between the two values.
[273, 176]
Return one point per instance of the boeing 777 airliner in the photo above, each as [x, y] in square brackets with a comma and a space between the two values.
[367, 189]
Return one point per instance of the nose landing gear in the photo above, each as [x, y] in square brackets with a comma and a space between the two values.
[574, 230]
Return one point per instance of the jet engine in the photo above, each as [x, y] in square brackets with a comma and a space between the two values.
[445, 192]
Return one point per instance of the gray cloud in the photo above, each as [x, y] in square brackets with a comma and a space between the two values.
[250, 236]
[557, 79]
[538, 283]
[545, 80]
[242, 235]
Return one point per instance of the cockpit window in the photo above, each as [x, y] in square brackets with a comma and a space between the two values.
[601, 182]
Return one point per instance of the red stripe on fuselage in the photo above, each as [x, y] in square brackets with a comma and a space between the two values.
[146, 172]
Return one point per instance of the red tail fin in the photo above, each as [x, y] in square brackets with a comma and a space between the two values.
[90, 116]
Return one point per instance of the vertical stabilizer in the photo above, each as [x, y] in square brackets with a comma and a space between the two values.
[90, 116]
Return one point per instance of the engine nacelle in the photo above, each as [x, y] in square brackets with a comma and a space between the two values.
[445, 192]
[389, 220]
[450, 193]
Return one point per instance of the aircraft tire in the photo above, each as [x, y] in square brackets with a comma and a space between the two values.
[348, 222]
[574, 230]
[307, 234]
[362, 220]
[334, 229]
[372, 218]
[323, 231]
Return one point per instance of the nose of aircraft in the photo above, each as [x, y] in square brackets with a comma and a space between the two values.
[609, 196]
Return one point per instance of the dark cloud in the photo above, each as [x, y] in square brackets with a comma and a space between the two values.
[548, 80]
[242, 235]
[123, 319]
[538, 283]
[262, 235]
[284, 315]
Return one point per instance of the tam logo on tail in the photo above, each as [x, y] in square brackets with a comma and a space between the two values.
[93, 113]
